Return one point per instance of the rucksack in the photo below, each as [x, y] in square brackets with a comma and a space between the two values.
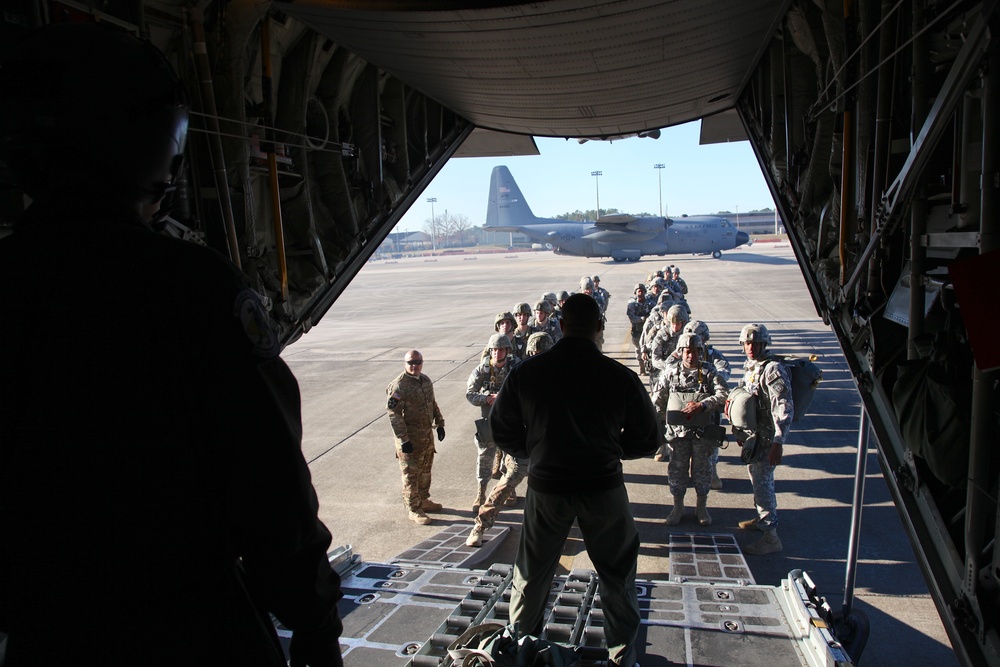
[805, 377]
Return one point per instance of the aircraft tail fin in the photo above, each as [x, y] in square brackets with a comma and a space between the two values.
[507, 207]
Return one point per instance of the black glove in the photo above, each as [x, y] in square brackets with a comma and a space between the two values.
[440, 433]
[406, 447]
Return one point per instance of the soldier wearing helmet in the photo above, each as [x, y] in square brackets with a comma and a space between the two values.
[504, 323]
[513, 468]
[519, 338]
[637, 311]
[543, 320]
[587, 287]
[687, 396]
[676, 278]
[768, 379]
[183, 516]
[604, 294]
[718, 360]
[665, 342]
[481, 390]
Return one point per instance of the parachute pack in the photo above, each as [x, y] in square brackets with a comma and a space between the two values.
[805, 377]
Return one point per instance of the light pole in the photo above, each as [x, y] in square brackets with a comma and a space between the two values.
[433, 226]
[597, 184]
[659, 176]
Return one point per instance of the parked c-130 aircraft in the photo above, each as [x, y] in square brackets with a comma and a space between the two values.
[619, 236]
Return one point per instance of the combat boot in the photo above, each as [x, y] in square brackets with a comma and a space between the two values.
[480, 498]
[431, 506]
[475, 538]
[749, 523]
[702, 511]
[675, 515]
[716, 481]
[768, 544]
[418, 516]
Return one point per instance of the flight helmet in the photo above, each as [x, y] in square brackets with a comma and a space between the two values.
[498, 341]
[697, 327]
[522, 308]
[755, 333]
[88, 109]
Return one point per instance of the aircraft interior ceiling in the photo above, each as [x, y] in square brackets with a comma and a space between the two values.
[873, 131]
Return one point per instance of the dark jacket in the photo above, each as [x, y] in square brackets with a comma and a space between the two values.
[576, 414]
[154, 501]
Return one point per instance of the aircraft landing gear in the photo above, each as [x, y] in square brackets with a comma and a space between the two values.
[618, 259]
[717, 254]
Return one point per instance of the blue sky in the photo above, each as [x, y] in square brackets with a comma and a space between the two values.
[696, 179]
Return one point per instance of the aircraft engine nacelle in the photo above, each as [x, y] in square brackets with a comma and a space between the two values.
[647, 225]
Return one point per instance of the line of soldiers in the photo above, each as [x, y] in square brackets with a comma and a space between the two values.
[516, 336]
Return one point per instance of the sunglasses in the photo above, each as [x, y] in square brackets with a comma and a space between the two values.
[414, 362]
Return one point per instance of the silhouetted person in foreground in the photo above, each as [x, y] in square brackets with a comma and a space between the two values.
[154, 501]
[576, 471]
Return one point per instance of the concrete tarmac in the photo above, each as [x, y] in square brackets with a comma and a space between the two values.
[445, 308]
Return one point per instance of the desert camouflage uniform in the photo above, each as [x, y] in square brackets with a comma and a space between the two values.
[769, 380]
[690, 452]
[413, 414]
[484, 380]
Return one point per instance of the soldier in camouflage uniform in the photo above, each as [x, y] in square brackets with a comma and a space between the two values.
[505, 324]
[768, 380]
[519, 339]
[515, 469]
[481, 390]
[665, 341]
[637, 311]
[605, 294]
[685, 397]
[544, 321]
[680, 281]
[587, 287]
[413, 413]
[722, 367]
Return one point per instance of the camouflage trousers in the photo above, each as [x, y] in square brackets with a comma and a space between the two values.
[762, 478]
[416, 469]
[484, 462]
[638, 351]
[515, 470]
[690, 460]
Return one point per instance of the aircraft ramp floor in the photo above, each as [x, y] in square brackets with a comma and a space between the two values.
[408, 613]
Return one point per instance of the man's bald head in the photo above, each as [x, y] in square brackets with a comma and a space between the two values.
[581, 316]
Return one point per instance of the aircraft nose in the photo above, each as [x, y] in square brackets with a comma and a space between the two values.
[742, 238]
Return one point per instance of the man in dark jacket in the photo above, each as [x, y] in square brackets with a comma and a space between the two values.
[576, 471]
[154, 501]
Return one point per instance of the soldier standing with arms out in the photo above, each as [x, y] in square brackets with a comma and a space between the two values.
[768, 380]
[413, 414]
[576, 471]
[481, 390]
[688, 393]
